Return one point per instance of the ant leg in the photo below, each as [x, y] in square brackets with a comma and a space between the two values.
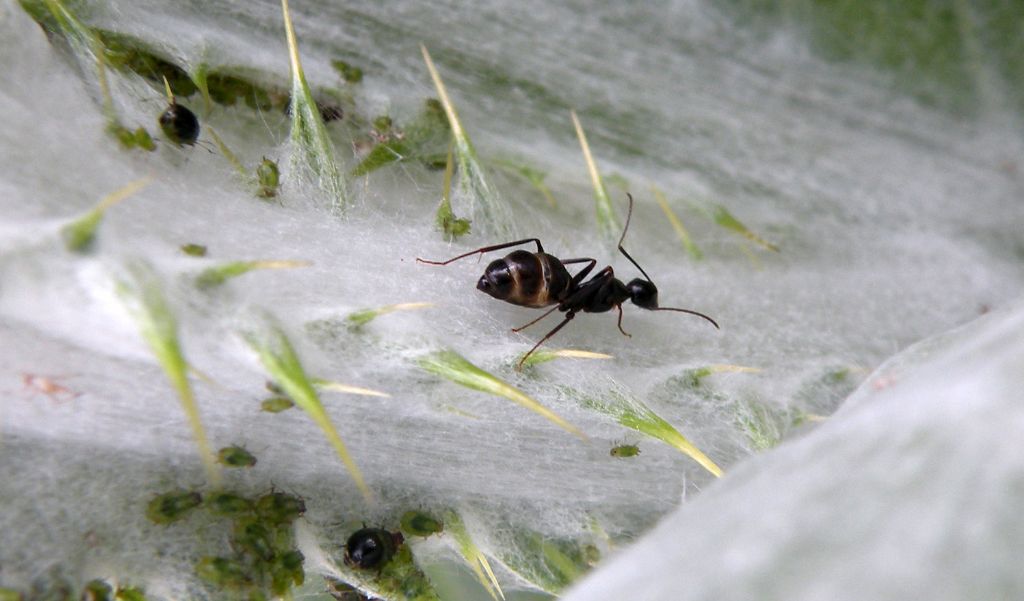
[625, 229]
[483, 250]
[568, 318]
[579, 277]
[627, 334]
[546, 313]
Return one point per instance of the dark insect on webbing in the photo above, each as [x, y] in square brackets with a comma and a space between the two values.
[178, 123]
[538, 280]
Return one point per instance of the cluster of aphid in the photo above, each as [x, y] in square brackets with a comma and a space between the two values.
[59, 590]
[264, 562]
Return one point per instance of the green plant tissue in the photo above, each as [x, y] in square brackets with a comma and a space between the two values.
[862, 397]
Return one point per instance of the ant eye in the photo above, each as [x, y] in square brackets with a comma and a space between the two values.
[643, 294]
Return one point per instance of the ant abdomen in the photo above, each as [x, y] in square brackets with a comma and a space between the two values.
[525, 278]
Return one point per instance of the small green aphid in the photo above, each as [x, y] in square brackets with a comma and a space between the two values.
[280, 508]
[274, 387]
[418, 523]
[382, 124]
[254, 538]
[269, 178]
[229, 504]
[143, 140]
[235, 456]
[172, 506]
[347, 72]
[277, 404]
[129, 139]
[193, 250]
[96, 590]
[625, 450]
[129, 593]
[287, 570]
[223, 572]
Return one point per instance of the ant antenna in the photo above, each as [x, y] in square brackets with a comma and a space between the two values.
[691, 312]
[629, 214]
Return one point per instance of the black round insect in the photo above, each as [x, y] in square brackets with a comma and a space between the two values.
[179, 124]
[371, 547]
[540, 280]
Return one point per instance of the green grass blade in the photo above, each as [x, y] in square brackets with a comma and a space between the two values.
[81, 233]
[544, 355]
[494, 216]
[217, 275]
[85, 40]
[452, 226]
[452, 366]
[360, 318]
[224, 150]
[142, 296]
[471, 553]
[721, 216]
[330, 386]
[312, 150]
[677, 225]
[634, 414]
[282, 363]
[534, 176]
[607, 223]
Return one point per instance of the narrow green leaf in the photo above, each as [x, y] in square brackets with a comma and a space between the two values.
[634, 414]
[282, 363]
[471, 553]
[224, 150]
[534, 176]
[721, 216]
[215, 276]
[80, 234]
[544, 355]
[607, 222]
[677, 225]
[312, 149]
[146, 303]
[330, 386]
[365, 316]
[452, 226]
[452, 366]
[494, 216]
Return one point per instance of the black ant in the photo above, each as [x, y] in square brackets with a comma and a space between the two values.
[541, 280]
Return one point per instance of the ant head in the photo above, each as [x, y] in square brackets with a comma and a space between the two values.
[643, 293]
[497, 280]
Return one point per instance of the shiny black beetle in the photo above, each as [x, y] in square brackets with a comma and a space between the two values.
[537, 279]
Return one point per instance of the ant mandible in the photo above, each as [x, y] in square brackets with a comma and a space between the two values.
[541, 280]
